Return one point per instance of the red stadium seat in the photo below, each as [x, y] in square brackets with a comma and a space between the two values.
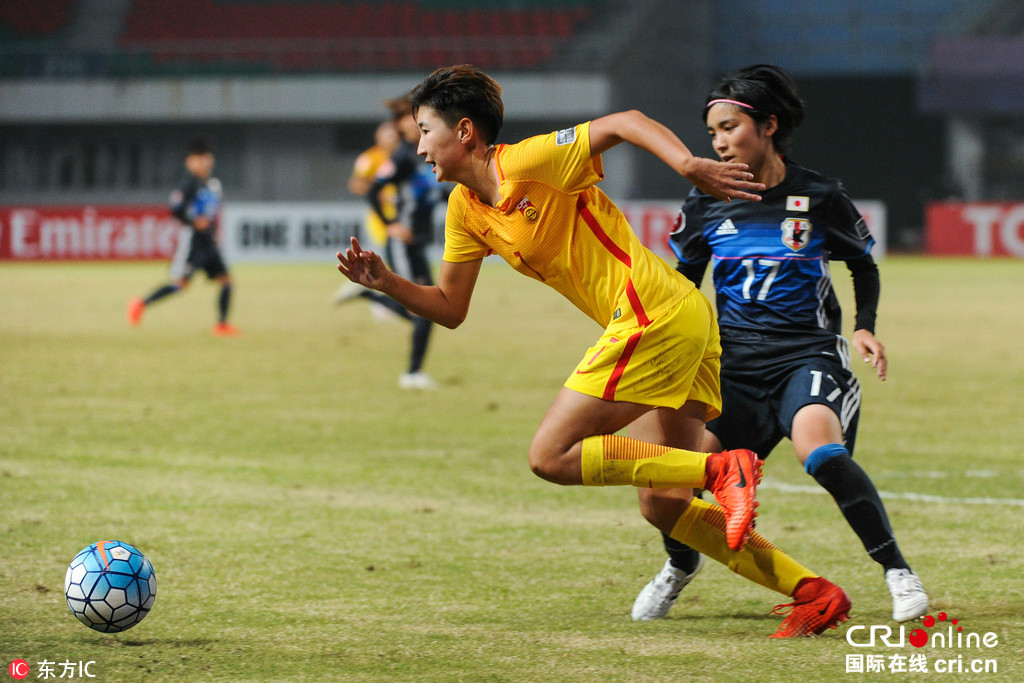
[393, 34]
[35, 20]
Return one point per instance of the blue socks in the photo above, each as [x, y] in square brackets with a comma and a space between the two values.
[822, 454]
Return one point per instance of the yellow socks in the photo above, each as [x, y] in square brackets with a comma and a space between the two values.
[611, 460]
[702, 527]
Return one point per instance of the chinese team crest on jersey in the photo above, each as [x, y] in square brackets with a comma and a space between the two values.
[796, 233]
[526, 207]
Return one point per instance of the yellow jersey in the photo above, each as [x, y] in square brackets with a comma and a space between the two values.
[554, 225]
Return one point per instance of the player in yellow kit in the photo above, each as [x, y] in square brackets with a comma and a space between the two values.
[364, 172]
[655, 368]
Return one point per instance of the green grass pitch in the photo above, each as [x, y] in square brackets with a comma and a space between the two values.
[309, 521]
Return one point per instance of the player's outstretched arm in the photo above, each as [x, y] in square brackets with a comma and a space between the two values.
[716, 178]
[446, 303]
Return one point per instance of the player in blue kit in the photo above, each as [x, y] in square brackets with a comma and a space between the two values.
[409, 233]
[196, 203]
[786, 368]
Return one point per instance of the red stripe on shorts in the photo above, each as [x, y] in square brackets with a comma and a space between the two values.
[638, 307]
[620, 366]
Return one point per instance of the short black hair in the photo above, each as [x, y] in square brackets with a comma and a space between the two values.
[769, 91]
[200, 146]
[462, 91]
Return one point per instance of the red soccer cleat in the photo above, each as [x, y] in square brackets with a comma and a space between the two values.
[818, 605]
[226, 330]
[734, 476]
[134, 313]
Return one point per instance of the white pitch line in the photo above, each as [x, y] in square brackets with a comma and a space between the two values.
[916, 497]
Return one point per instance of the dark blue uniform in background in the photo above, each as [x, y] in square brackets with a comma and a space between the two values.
[197, 249]
[418, 195]
[780, 320]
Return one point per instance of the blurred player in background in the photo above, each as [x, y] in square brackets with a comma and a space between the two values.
[655, 368]
[785, 365]
[197, 204]
[409, 227]
[365, 171]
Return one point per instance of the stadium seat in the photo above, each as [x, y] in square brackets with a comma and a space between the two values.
[35, 20]
[389, 35]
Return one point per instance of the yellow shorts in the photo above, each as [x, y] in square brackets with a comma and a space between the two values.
[375, 227]
[674, 359]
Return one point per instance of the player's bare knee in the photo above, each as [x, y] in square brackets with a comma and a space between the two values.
[662, 507]
[648, 508]
[546, 465]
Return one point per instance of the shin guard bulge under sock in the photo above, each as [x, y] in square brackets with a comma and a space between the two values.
[702, 527]
[610, 460]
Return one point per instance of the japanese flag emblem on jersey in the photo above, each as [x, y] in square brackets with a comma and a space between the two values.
[797, 203]
[796, 233]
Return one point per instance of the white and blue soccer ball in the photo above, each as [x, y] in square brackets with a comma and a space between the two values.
[110, 586]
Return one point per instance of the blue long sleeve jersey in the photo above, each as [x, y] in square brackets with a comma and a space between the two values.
[770, 258]
[195, 198]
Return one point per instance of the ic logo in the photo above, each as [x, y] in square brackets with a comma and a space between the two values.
[19, 669]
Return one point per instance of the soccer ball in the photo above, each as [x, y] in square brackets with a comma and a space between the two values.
[110, 586]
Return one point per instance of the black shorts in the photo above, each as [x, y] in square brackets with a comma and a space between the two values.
[208, 259]
[767, 378]
[194, 253]
[409, 260]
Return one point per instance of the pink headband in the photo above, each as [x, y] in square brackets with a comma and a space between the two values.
[736, 102]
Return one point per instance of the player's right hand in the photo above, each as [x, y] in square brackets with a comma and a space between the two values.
[363, 267]
[723, 180]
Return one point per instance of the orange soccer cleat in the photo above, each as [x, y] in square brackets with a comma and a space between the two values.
[134, 312]
[818, 605]
[226, 330]
[733, 479]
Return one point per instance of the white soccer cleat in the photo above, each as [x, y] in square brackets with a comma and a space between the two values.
[658, 596]
[909, 601]
[417, 380]
[347, 292]
[381, 312]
